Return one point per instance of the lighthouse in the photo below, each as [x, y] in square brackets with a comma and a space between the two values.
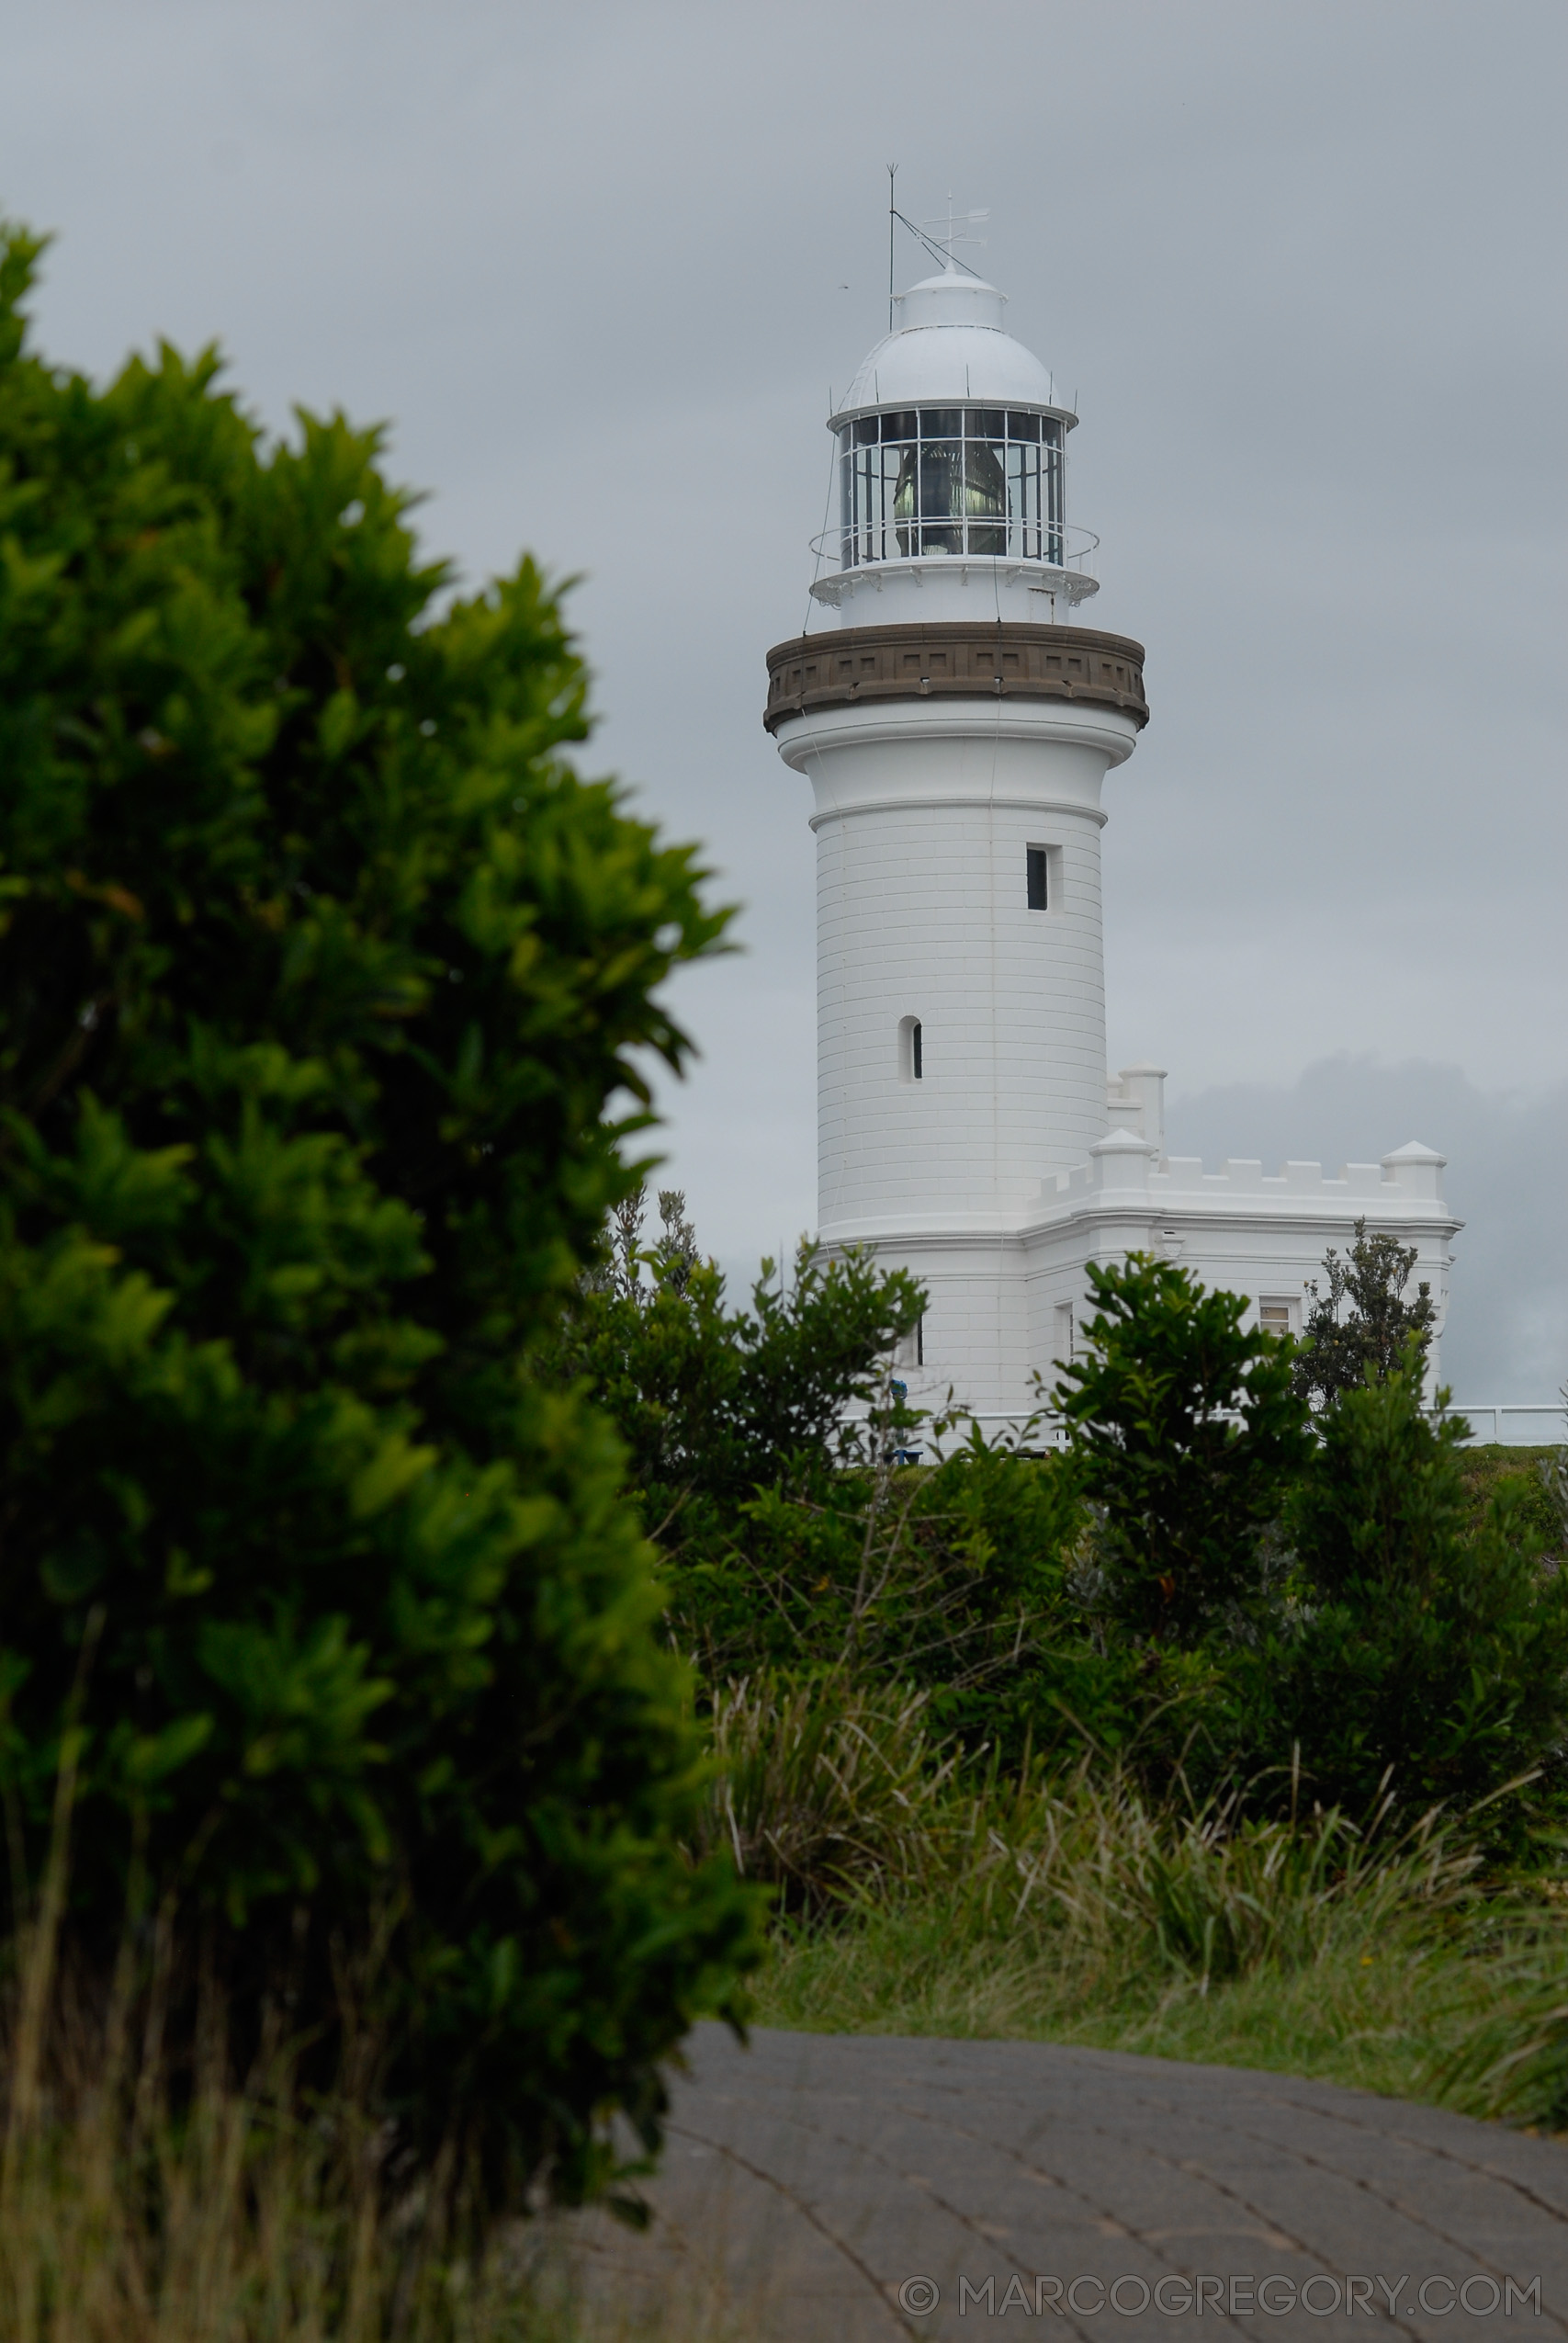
[958, 723]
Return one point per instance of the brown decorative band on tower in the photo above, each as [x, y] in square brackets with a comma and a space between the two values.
[967, 660]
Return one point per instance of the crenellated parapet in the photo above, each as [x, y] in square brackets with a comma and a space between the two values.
[1123, 1164]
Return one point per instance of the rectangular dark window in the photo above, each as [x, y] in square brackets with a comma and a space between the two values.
[915, 1052]
[1034, 864]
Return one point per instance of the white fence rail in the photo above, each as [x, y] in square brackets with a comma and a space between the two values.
[1508, 1424]
[1516, 1426]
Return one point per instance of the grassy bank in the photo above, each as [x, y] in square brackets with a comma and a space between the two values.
[1375, 2010]
[1389, 1955]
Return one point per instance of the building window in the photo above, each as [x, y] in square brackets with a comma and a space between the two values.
[1064, 1349]
[910, 1054]
[911, 1349]
[1277, 1314]
[1043, 877]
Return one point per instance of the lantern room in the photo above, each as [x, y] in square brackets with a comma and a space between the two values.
[951, 459]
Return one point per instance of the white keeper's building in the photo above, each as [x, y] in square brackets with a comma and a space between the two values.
[956, 727]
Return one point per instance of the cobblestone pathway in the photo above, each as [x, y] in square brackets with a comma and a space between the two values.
[824, 2189]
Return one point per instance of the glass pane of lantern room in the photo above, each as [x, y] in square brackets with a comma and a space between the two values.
[941, 480]
[889, 466]
[868, 469]
[1023, 502]
[1055, 532]
[985, 495]
[900, 488]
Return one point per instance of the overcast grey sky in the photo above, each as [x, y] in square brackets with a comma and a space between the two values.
[599, 265]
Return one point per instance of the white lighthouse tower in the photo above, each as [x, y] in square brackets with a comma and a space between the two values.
[957, 726]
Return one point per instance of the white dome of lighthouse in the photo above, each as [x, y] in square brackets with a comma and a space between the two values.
[949, 345]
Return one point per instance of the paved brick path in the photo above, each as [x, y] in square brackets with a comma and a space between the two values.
[823, 2189]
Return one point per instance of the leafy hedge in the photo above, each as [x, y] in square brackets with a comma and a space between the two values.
[1213, 1584]
[318, 966]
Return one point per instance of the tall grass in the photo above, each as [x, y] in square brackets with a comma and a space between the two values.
[844, 1796]
[237, 2218]
[824, 1785]
[243, 2211]
[139, 2205]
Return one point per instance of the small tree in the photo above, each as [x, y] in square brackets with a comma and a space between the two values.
[1186, 1430]
[1363, 1325]
[1432, 1647]
[675, 1254]
[618, 1267]
[714, 1402]
[618, 1270]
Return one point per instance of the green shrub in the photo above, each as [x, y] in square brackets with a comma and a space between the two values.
[1363, 1325]
[796, 1548]
[1186, 1432]
[1535, 1476]
[318, 965]
[1432, 1648]
[714, 1403]
[761, 1446]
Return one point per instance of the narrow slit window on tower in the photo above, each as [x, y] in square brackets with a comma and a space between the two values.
[910, 1054]
[1064, 1335]
[1037, 868]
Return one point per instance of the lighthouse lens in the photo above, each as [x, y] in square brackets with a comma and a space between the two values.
[942, 494]
[984, 496]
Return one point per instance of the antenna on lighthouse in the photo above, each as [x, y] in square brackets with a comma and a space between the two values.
[892, 216]
[949, 242]
[943, 248]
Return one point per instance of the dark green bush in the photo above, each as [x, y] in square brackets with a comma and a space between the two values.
[1432, 1650]
[1363, 1324]
[714, 1403]
[1186, 1433]
[318, 965]
[793, 1543]
[1531, 1473]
